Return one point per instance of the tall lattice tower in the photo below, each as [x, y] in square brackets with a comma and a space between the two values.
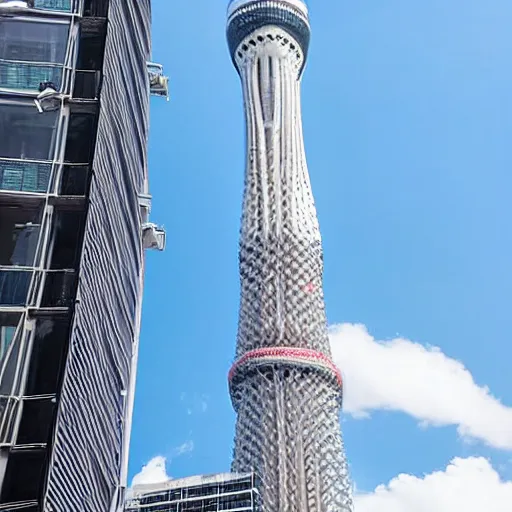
[284, 386]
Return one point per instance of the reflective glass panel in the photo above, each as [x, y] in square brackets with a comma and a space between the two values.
[27, 134]
[19, 234]
[9, 350]
[31, 53]
[30, 41]
[6, 336]
[14, 285]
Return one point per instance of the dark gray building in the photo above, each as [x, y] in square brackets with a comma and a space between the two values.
[227, 492]
[74, 205]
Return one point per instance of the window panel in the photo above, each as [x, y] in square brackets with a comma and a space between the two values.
[36, 421]
[96, 8]
[31, 53]
[29, 41]
[14, 287]
[47, 357]
[74, 180]
[9, 362]
[80, 138]
[234, 502]
[8, 411]
[19, 234]
[68, 229]
[59, 289]
[192, 506]
[24, 476]
[8, 325]
[27, 134]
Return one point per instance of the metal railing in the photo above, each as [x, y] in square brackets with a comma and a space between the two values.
[54, 5]
[57, 289]
[24, 176]
[28, 76]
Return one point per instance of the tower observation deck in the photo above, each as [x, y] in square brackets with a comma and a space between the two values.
[284, 386]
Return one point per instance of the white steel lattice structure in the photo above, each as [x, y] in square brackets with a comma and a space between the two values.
[285, 388]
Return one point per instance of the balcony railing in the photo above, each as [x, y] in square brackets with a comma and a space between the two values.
[54, 5]
[23, 176]
[14, 285]
[28, 76]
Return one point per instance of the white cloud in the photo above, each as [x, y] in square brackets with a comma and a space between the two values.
[469, 485]
[401, 375]
[186, 447]
[153, 472]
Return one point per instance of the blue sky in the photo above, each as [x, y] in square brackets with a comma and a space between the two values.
[408, 121]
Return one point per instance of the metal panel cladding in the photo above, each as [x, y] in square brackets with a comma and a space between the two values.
[86, 465]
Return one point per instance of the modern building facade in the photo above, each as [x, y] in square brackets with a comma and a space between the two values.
[212, 493]
[74, 205]
[285, 388]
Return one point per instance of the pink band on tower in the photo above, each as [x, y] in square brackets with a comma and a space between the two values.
[287, 354]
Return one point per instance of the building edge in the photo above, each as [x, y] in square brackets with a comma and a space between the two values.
[89, 459]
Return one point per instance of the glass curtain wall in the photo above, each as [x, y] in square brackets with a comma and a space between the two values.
[35, 296]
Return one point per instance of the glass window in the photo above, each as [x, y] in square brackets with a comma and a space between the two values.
[30, 41]
[19, 233]
[27, 134]
[192, 506]
[67, 239]
[192, 492]
[36, 421]
[234, 502]
[23, 476]
[74, 180]
[14, 287]
[6, 336]
[31, 53]
[59, 289]
[8, 414]
[9, 350]
[47, 357]
[175, 495]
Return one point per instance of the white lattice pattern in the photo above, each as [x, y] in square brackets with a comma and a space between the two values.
[288, 409]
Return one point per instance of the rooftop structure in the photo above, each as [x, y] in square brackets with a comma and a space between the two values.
[209, 493]
[285, 388]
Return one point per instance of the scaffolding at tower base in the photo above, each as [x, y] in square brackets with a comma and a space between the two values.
[224, 492]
